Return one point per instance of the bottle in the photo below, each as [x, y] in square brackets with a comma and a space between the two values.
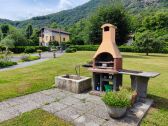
[98, 87]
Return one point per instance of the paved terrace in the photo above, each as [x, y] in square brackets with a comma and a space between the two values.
[80, 109]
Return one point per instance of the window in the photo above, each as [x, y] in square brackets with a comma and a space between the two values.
[50, 38]
[63, 39]
[53, 38]
[106, 28]
[46, 38]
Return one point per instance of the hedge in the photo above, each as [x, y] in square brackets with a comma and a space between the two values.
[70, 50]
[29, 49]
[95, 47]
[85, 47]
[4, 64]
[122, 48]
[127, 49]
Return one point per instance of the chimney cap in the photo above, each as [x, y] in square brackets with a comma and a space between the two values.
[108, 25]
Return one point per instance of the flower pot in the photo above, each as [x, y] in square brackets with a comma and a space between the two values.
[115, 112]
[108, 88]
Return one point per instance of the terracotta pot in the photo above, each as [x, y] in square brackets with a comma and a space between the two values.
[115, 112]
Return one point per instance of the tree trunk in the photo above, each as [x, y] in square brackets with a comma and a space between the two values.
[147, 53]
[6, 53]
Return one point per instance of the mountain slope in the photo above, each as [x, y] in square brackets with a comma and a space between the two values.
[3, 21]
[66, 17]
[69, 17]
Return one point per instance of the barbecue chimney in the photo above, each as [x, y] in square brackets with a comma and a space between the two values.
[108, 55]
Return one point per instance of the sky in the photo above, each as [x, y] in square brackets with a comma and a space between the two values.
[25, 9]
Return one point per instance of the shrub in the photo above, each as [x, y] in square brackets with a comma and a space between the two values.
[2, 57]
[118, 99]
[70, 50]
[43, 48]
[39, 51]
[85, 47]
[53, 43]
[19, 49]
[95, 47]
[27, 58]
[127, 49]
[30, 50]
[165, 50]
[4, 63]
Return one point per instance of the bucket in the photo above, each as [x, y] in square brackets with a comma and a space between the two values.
[108, 88]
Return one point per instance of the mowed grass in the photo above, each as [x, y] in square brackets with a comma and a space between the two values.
[36, 118]
[41, 76]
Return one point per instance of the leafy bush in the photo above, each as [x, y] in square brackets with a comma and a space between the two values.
[22, 49]
[2, 57]
[85, 47]
[4, 63]
[30, 50]
[53, 43]
[127, 48]
[2, 49]
[165, 50]
[39, 51]
[95, 47]
[70, 50]
[118, 99]
[123, 48]
[27, 58]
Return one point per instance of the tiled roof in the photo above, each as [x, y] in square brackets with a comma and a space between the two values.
[57, 30]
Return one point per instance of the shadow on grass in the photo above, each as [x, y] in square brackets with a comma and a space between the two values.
[133, 56]
[159, 102]
[158, 55]
[141, 56]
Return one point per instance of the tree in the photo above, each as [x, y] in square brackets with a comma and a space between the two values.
[115, 15]
[80, 30]
[53, 25]
[1, 36]
[77, 41]
[147, 42]
[7, 43]
[35, 37]
[18, 37]
[157, 20]
[29, 31]
[5, 30]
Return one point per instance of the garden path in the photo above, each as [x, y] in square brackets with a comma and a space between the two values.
[45, 56]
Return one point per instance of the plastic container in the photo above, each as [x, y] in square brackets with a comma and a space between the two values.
[108, 88]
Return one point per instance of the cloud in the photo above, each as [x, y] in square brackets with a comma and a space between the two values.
[24, 9]
[65, 4]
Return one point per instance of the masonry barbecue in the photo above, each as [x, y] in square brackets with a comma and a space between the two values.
[107, 61]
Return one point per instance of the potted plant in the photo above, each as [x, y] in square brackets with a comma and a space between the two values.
[39, 52]
[54, 52]
[117, 102]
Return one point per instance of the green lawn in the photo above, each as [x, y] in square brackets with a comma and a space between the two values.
[36, 118]
[41, 76]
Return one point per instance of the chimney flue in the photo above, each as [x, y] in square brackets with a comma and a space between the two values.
[109, 33]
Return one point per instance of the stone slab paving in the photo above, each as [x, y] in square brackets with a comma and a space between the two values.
[80, 109]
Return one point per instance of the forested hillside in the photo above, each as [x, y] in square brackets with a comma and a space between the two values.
[69, 17]
[139, 18]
